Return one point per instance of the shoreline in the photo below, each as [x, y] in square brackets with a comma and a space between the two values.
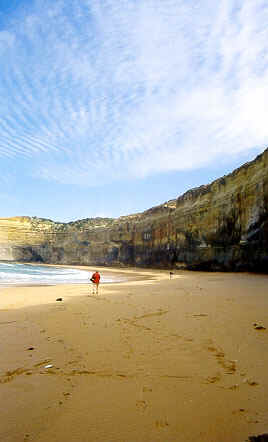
[146, 360]
[20, 296]
[127, 275]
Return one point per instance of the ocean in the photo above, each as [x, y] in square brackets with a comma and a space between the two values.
[26, 274]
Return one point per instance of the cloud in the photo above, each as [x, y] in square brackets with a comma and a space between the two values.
[7, 40]
[97, 91]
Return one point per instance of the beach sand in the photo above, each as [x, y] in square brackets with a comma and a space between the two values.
[147, 360]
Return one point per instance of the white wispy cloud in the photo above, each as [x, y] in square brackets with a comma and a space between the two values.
[101, 90]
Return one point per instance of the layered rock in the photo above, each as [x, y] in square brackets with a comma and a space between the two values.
[220, 226]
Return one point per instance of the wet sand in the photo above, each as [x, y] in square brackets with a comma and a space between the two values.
[150, 359]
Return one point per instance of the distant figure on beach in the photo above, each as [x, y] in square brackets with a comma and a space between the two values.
[95, 279]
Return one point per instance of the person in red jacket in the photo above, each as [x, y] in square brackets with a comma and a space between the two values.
[95, 279]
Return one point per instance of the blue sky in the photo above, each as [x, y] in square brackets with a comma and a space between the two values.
[110, 107]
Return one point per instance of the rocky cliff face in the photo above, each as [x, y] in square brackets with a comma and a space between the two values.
[220, 226]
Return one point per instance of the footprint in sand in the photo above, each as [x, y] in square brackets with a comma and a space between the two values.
[228, 365]
[241, 410]
[141, 405]
[213, 379]
[147, 389]
[161, 423]
[10, 375]
[250, 382]
[233, 387]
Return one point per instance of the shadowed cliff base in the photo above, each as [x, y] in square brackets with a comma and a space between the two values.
[222, 226]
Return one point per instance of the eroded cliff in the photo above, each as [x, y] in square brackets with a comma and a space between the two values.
[220, 226]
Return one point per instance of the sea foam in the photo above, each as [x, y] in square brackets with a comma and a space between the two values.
[26, 274]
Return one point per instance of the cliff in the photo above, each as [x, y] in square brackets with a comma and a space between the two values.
[220, 226]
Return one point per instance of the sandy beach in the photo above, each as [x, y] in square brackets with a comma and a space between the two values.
[149, 359]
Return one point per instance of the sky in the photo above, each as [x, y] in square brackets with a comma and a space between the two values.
[110, 107]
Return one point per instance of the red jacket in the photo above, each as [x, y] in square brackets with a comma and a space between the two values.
[95, 278]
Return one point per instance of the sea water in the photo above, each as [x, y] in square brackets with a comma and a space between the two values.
[26, 274]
